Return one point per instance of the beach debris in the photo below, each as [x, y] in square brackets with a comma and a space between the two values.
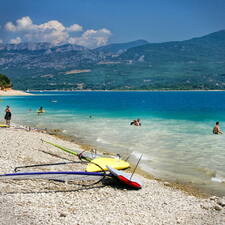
[96, 160]
[66, 176]
[95, 165]
[124, 178]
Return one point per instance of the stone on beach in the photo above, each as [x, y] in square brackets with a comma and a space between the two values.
[47, 202]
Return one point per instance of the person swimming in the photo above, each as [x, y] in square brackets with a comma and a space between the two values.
[41, 110]
[216, 129]
[136, 122]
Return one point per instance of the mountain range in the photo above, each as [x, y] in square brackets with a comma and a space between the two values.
[198, 63]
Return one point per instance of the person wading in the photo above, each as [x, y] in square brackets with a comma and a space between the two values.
[8, 115]
[216, 129]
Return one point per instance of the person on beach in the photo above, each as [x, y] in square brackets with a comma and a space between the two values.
[216, 129]
[8, 115]
[136, 122]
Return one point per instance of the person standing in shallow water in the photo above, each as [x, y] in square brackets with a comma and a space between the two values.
[8, 115]
[216, 129]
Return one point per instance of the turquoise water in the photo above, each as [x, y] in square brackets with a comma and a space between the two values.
[175, 137]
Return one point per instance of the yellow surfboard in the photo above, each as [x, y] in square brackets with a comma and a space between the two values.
[3, 125]
[40, 111]
[103, 162]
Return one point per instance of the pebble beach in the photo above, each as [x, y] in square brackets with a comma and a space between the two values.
[49, 202]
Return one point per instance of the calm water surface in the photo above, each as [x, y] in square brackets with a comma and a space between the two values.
[175, 137]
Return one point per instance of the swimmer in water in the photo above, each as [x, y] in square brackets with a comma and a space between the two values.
[41, 110]
[136, 122]
[216, 129]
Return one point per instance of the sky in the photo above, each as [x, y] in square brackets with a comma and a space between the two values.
[93, 23]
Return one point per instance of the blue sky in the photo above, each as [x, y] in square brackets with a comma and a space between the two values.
[98, 22]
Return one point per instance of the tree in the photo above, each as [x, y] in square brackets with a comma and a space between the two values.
[4, 82]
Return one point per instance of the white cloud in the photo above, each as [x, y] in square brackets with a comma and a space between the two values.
[1, 41]
[49, 32]
[15, 41]
[56, 33]
[25, 23]
[92, 38]
[10, 27]
[75, 28]
[51, 25]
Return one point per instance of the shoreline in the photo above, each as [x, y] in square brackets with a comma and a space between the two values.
[153, 90]
[11, 92]
[50, 202]
[185, 187]
[188, 188]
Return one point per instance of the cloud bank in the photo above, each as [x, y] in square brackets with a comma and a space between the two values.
[55, 33]
[16, 41]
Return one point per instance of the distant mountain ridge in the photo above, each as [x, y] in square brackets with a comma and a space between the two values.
[118, 48]
[35, 46]
[208, 46]
[26, 46]
[197, 63]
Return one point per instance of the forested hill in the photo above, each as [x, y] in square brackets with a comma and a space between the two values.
[198, 63]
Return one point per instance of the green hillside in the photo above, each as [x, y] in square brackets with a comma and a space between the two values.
[198, 63]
